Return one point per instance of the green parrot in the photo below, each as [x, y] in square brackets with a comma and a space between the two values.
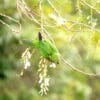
[47, 49]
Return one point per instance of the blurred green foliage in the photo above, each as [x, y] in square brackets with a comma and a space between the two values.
[81, 48]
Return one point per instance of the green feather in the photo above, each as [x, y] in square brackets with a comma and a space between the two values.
[49, 51]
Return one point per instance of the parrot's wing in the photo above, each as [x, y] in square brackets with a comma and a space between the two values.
[49, 51]
[45, 48]
[52, 46]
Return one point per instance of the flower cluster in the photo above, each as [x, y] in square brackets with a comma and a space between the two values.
[26, 56]
[43, 77]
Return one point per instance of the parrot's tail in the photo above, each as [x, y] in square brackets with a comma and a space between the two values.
[40, 36]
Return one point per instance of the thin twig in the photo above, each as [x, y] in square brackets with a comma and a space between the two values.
[22, 7]
[12, 19]
[52, 6]
[76, 69]
[92, 7]
[83, 24]
[75, 22]
[41, 13]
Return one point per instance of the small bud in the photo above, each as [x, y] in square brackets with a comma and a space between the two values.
[53, 65]
[27, 64]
